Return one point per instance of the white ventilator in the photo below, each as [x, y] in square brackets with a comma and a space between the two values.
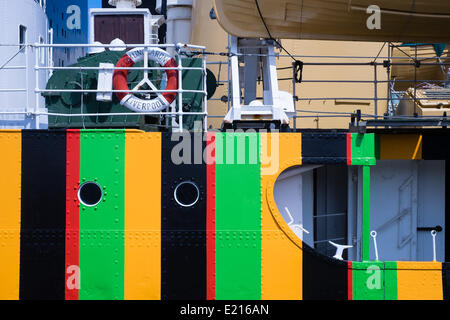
[339, 250]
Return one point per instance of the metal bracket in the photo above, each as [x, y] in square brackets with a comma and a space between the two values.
[259, 56]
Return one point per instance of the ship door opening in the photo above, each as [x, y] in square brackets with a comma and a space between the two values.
[323, 205]
[313, 201]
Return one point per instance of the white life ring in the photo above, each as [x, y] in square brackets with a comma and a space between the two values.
[130, 101]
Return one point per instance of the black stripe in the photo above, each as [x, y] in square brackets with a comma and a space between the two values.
[323, 278]
[42, 246]
[435, 146]
[324, 148]
[183, 256]
[446, 280]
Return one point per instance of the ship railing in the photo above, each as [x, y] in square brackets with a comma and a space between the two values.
[389, 98]
[180, 50]
[13, 62]
[174, 111]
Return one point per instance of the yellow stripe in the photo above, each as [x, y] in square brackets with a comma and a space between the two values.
[281, 254]
[419, 280]
[142, 215]
[400, 146]
[10, 183]
[418, 149]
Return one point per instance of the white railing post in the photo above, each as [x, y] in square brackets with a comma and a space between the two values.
[205, 94]
[180, 89]
[27, 83]
[37, 94]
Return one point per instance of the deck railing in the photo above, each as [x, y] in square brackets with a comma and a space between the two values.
[173, 111]
[392, 97]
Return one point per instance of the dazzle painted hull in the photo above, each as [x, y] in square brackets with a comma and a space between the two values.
[140, 243]
[401, 20]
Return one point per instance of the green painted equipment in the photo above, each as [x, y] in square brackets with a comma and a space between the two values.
[67, 103]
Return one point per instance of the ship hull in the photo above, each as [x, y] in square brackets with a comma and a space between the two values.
[142, 242]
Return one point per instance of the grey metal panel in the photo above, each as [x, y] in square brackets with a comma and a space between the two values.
[431, 208]
[352, 208]
[394, 209]
[308, 206]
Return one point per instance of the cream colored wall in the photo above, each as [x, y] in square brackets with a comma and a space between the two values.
[207, 32]
[336, 90]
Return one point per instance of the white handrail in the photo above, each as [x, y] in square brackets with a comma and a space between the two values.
[373, 234]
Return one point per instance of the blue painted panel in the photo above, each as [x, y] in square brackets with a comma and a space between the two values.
[69, 20]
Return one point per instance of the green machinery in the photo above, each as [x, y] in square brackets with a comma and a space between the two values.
[86, 103]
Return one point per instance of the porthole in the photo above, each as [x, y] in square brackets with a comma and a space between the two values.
[186, 194]
[90, 194]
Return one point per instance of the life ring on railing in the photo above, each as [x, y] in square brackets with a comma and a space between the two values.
[136, 104]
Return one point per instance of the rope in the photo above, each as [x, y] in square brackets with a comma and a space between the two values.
[268, 31]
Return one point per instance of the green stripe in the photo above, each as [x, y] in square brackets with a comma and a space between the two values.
[102, 227]
[238, 216]
[363, 149]
[366, 214]
[377, 147]
[390, 276]
[363, 154]
[367, 280]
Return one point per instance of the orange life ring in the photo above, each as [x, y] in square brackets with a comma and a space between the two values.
[130, 101]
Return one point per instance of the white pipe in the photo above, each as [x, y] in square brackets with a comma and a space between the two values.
[13, 90]
[179, 14]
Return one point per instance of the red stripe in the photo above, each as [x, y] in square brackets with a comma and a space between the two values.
[72, 209]
[349, 149]
[350, 280]
[211, 217]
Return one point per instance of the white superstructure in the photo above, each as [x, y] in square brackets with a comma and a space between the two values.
[179, 14]
[22, 22]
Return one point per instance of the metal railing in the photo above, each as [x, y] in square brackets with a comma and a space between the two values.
[391, 98]
[172, 111]
[373, 62]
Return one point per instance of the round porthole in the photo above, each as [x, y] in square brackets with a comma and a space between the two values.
[90, 194]
[186, 194]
